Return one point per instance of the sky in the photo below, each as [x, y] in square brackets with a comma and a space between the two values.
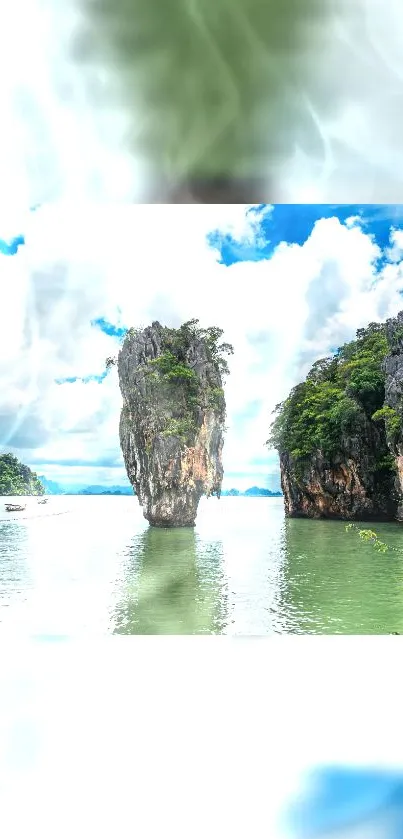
[287, 283]
[83, 258]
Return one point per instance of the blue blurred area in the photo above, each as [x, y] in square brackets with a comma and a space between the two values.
[11, 247]
[92, 377]
[109, 328]
[342, 798]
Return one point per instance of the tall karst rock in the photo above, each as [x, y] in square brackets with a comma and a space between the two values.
[172, 419]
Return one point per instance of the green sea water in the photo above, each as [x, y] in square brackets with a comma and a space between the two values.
[91, 565]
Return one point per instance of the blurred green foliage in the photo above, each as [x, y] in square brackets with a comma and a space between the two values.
[212, 87]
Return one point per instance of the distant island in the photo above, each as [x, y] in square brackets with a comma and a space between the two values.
[252, 492]
[53, 488]
[17, 479]
[101, 490]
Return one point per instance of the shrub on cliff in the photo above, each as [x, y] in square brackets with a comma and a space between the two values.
[172, 369]
[392, 422]
[17, 479]
[339, 394]
[177, 343]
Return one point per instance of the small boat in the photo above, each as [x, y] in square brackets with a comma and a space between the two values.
[43, 501]
[15, 508]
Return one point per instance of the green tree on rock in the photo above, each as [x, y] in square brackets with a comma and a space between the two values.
[17, 479]
[339, 395]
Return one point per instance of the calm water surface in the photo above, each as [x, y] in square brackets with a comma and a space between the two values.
[88, 565]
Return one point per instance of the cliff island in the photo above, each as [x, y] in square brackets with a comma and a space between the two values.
[339, 433]
[17, 479]
[172, 419]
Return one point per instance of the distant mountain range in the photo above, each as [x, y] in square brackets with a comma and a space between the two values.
[52, 488]
[102, 490]
[253, 492]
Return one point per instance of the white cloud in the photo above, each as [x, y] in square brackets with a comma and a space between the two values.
[395, 252]
[134, 264]
[353, 221]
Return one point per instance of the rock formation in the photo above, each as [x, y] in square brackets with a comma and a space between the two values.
[346, 486]
[393, 368]
[339, 433]
[172, 419]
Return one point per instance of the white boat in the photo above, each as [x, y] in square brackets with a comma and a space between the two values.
[15, 508]
[42, 500]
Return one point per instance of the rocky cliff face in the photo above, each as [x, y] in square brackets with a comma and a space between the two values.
[349, 485]
[172, 421]
[393, 368]
[340, 433]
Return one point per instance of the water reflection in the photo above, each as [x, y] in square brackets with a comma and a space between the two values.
[15, 578]
[12, 539]
[173, 584]
[243, 571]
[335, 583]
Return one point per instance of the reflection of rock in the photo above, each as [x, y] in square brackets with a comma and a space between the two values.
[172, 421]
[172, 586]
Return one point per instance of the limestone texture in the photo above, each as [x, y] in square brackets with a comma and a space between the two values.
[393, 368]
[172, 421]
[347, 486]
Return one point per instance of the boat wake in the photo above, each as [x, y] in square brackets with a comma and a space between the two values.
[27, 515]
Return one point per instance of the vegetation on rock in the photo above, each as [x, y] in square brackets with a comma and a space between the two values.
[340, 394]
[173, 375]
[17, 479]
[392, 422]
[173, 367]
[172, 419]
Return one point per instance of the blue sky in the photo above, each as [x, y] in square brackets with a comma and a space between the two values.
[288, 283]
[293, 223]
